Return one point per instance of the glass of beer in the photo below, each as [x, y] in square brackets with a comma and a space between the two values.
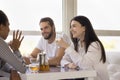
[34, 66]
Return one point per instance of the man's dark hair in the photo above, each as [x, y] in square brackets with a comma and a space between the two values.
[3, 18]
[49, 20]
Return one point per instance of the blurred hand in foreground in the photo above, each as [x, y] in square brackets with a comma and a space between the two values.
[17, 39]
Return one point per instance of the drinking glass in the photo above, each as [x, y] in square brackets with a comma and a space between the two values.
[34, 66]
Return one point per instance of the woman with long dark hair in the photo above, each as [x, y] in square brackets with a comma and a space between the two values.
[86, 51]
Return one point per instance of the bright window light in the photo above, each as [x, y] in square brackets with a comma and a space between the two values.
[26, 14]
[104, 14]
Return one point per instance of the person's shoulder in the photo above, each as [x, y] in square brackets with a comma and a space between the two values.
[95, 44]
[1, 39]
[41, 38]
[2, 42]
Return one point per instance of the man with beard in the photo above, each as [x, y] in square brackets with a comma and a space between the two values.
[47, 42]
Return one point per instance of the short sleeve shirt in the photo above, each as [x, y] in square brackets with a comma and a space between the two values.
[51, 48]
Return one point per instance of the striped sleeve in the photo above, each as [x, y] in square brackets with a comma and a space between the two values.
[8, 56]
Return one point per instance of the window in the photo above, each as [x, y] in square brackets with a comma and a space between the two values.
[26, 14]
[104, 15]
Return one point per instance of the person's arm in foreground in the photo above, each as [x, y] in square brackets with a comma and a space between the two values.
[52, 61]
[13, 58]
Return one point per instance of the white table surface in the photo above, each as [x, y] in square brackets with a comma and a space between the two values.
[60, 73]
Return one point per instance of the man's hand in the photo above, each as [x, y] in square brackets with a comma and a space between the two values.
[17, 39]
[27, 60]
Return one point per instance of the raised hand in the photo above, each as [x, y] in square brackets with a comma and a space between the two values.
[62, 43]
[17, 39]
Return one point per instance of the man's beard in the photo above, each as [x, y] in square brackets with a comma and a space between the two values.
[49, 36]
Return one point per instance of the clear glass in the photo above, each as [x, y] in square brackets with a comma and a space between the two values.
[34, 66]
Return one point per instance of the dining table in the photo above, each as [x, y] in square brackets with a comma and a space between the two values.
[59, 73]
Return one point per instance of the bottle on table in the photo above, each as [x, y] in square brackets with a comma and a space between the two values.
[43, 62]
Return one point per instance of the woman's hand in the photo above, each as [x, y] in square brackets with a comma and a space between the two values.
[62, 43]
[71, 66]
[17, 39]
